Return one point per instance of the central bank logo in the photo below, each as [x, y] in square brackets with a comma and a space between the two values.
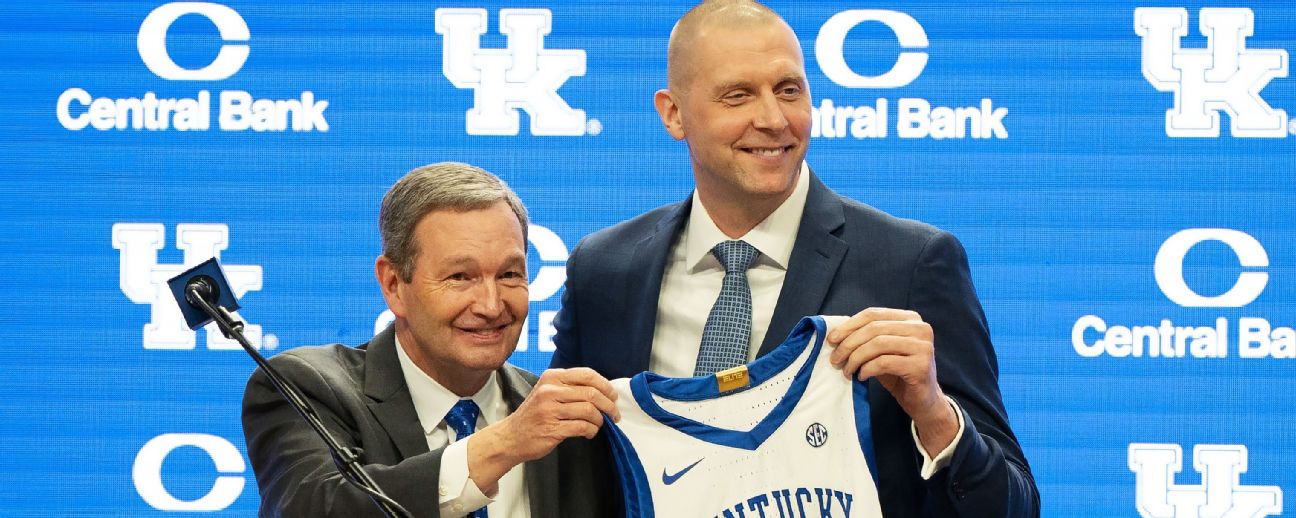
[1250, 254]
[152, 36]
[524, 76]
[1225, 76]
[144, 281]
[225, 489]
[1220, 494]
[1247, 336]
[235, 110]
[914, 118]
[832, 58]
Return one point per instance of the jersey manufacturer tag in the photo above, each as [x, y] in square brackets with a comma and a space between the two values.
[732, 379]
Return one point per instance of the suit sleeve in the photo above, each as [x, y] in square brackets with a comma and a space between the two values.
[988, 475]
[293, 466]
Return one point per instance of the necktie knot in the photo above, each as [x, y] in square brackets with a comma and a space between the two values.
[736, 256]
[462, 417]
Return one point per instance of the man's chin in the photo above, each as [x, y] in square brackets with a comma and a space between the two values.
[482, 360]
[776, 185]
[772, 176]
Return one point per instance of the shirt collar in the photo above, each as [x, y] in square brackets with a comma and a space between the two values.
[432, 401]
[773, 237]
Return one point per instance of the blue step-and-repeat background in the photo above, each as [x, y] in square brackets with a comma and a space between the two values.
[1121, 173]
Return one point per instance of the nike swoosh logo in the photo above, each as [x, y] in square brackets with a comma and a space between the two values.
[669, 479]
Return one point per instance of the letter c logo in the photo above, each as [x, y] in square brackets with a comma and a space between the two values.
[147, 472]
[152, 41]
[1250, 253]
[832, 60]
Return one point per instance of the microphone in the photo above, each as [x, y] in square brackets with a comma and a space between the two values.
[205, 296]
[201, 287]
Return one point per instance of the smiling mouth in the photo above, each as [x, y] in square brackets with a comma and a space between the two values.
[768, 151]
[484, 332]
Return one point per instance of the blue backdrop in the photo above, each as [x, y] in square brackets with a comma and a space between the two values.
[1122, 182]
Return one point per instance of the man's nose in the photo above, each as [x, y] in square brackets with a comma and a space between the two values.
[487, 302]
[769, 114]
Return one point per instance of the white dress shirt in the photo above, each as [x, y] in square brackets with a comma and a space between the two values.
[456, 493]
[693, 276]
[692, 282]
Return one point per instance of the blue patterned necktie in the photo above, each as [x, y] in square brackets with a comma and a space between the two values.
[462, 418]
[728, 327]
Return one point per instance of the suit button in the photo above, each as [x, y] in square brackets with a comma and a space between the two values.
[457, 507]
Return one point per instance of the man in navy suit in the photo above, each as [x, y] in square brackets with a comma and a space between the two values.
[638, 294]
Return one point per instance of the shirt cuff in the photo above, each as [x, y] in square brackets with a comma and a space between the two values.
[457, 494]
[933, 464]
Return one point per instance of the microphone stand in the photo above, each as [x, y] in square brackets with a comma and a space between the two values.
[346, 459]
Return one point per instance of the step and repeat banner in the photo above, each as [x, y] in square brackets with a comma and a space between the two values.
[1121, 173]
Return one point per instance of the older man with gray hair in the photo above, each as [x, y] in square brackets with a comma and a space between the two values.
[453, 271]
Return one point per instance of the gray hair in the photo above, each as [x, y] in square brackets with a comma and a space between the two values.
[445, 185]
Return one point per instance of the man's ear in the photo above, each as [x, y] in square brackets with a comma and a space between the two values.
[390, 282]
[669, 110]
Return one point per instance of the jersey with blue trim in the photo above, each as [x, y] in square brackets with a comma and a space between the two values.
[795, 442]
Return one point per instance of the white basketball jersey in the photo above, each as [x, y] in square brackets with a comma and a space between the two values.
[795, 442]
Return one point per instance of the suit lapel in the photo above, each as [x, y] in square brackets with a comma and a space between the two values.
[391, 404]
[644, 273]
[816, 256]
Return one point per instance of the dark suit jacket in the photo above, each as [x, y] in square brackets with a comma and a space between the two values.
[847, 257]
[361, 396]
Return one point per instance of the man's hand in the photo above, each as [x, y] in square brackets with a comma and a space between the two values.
[896, 347]
[564, 403]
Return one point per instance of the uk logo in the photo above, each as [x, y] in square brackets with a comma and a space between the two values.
[144, 281]
[524, 76]
[1225, 76]
[1220, 495]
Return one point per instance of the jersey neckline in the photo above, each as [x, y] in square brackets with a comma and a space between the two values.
[644, 385]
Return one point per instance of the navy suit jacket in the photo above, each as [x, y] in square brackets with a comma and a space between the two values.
[847, 257]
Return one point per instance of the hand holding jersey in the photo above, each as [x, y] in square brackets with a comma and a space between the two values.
[896, 346]
[565, 403]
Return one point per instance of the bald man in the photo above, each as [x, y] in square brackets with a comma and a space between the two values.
[639, 294]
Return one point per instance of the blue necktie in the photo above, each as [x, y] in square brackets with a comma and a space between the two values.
[728, 327]
[462, 418]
